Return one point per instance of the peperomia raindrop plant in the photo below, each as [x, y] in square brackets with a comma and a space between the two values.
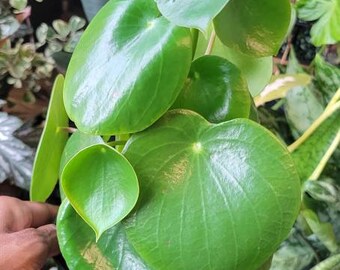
[168, 167]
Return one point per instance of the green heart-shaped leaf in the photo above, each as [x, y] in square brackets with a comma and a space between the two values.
[51, 145]
[257, 71]
[113, 69]
[225, 195]
[215, 89]
[82, 252]
[191, 13]
[101, 186]
[77, 142]
[253, 27]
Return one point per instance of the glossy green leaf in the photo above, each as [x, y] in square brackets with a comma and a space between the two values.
[124, 73]
[51, 145]
[253, 27]
[309, 154]
[224, 194]
[302, 107]
[257, 71]
[327, 77]
[327, 13]
[101, 185]
[81, 251]
[77, 142]
[216, 89]
[191, 13]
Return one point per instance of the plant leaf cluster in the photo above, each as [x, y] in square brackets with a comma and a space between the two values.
[166, 164]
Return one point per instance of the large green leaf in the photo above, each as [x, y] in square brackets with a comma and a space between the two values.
[216, 89]
[51, 145]
[253, 27]
[81, 251]
[257, 71]
[124, 74]
[191, 13]
[309, 154]
[225, 195]
[327, 77]
[101, 186]
[326, 30]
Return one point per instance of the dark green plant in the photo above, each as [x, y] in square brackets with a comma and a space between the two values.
[149, 182]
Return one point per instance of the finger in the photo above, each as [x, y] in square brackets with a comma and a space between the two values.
[29, 248]
[50, 235]
[16, 215]
[41, 213]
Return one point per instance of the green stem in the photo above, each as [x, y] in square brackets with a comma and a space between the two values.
[195, 34]
[211, 42]
[327, 113]
[67, 129]
[115, 143]
[322, 164]
[121, 137]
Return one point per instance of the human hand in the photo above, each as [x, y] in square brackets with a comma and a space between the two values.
[27, 235]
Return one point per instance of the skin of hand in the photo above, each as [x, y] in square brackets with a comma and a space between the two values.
[27, 234]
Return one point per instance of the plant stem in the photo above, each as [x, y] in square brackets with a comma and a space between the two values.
[334, 99]
[327, 113]
[67, 129]
[211, 43]
[115, 143]
[194, 33]
[322, 164]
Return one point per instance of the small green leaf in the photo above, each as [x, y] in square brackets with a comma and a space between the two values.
[51, 145]
[133, 53]
[327, 77]
[8, 26]
[216, 89]
[302, 107]
[257, 71]
[326, 30]
[324, 231]
[77, 142]
[191, 13]
[18, 4]
[224, 194]
[76, 23]
[61, 27]
[101, 185]
[81, 250]
[253, 27]
[41, 33]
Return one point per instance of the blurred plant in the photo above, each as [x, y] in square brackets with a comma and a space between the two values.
[326, 13]
[61, 39]
[23, 67]
[62, 36]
